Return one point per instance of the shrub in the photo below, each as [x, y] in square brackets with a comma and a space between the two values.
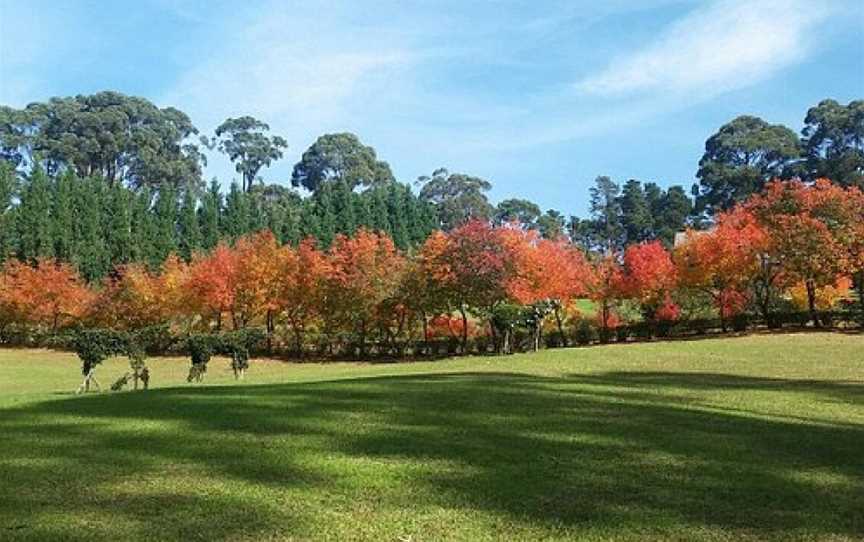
[586, 332]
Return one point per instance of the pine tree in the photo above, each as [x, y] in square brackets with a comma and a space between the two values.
[636, 216]
[291, 231]
[63, 215]
[117, 224]
[7, 216]
[236, 222]
[34, 218]
[143, 227]
[326, 215]
[380, 219]
[189, 235]
[396, 210]
[346, 222]
[309, 224]
[427, 220]
[208, 216]
[90, 253]
[362, 214]
[165, 222]
[258, 212]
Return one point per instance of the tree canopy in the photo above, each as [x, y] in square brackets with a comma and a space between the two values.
[340, 157]
[834, 142]
[459, 198]
[117, 137]
[740, 158]
[245, 142]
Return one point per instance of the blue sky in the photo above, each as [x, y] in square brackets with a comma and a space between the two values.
[539, 97]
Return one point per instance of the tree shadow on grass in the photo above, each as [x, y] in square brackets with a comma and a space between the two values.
[617, 454]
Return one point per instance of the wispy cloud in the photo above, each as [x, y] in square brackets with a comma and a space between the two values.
[727, 45]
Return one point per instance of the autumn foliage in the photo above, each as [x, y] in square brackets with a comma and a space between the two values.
[794, 243]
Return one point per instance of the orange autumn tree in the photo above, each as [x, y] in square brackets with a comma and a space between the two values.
[257, 264]
[49, 294]
[210, 284]
[301, 294]
[552, 271]
[813, 232]
[365, 272]
[723, 262]
[827, 297]
[134, 297]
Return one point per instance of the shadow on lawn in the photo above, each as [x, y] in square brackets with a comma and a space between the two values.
[589, 451]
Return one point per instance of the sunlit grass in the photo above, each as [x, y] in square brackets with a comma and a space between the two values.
[757, 437]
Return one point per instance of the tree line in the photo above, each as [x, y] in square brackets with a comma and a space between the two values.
[480, 287]
[86, 149]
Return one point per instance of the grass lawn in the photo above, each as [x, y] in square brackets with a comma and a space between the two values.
[759, 437]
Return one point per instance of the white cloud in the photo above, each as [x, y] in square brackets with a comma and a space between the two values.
[727, 45]
[296, 69]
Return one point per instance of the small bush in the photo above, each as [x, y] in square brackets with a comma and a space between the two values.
[586, 332]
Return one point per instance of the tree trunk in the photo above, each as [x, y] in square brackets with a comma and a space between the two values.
[560, 322]
[464, 329]
[298, 341]
[89, 378]
[270, 329]
[811, 303]
[363, 339]
[425, 334]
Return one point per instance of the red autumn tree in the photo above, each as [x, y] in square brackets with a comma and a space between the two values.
[724, 261]
[605, 288]
[471, 267]
[649, 276]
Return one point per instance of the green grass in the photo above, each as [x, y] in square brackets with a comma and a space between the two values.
[759, 437]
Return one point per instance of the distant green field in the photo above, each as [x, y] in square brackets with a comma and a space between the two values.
[759, 437]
